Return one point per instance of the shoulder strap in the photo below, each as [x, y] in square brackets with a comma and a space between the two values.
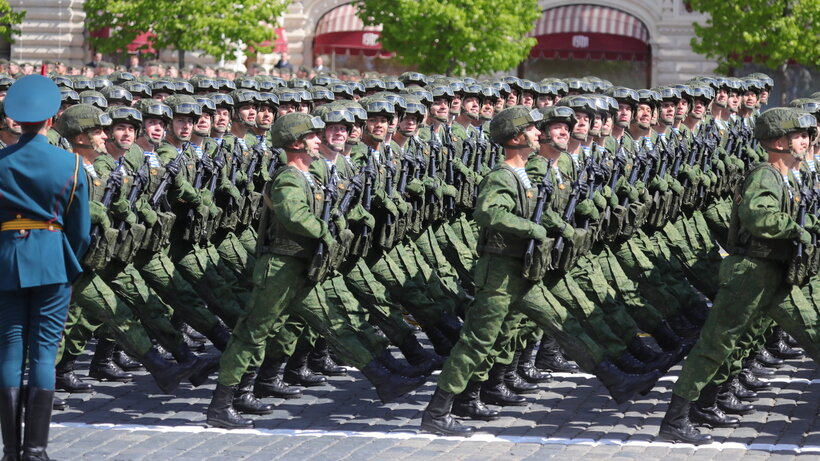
[74, 186]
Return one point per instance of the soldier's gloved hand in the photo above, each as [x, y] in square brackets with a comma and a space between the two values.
[449, 190]
[115, 178]
[143, 175]
[804, 237]
[173, 167]
[624, 189]
[587, 209]
[675, 186]
[690, 173]
[606, 191]
[658, 184]
[219, 162]
[583, 189]
[599, 199]
[207, 163]
[241, 178]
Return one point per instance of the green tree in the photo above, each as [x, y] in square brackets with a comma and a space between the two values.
[8, 20]
[769, 32]
[454, 36]
[213, 27]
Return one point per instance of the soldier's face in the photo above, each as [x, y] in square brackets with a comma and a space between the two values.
[544, 101]
[668, 110]
[408, 125]
[304, 108]
[336, 136]
[559, 133]
[699, 108]
[682, 109]
[644, 116]
[606, 128]
[182, 127]
[312, 143]
[377, 127]
[247, 113]
[487, 109]
[597, 123]
[123, 135]
[264, 118]
[455, 105]
[499, 105]
[471, 107]
[13, 127]
[287, 108]
[764, 97]
[733, 101]
[203, 125]
[527, 99]
[531, 134]
[440, 108]
[750, 100]
[97, 138]
[581, 126]
[222, 119]
[154, 129]
[624, 114]
[799, 142]
[160, 96]
[512, 98]
[355, 133]
[721, 97]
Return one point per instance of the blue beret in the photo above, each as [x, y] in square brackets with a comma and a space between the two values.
[32, 99]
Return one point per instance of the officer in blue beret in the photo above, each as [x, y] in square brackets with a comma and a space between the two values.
[44, 231]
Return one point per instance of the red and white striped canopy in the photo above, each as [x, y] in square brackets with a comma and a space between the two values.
[589, 19]
[343, 19]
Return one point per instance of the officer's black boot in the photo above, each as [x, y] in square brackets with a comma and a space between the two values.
[203, 366]
[527, 370]
[550, 357]
[59, 404]
[669, 341]
[676, 426]
[125, 361]
[650, 357]
[441, 345]
[468, 404]
[11, 411]
[38, 419]
[779, 346]
[728, 402]
[67, 380]
[319, 360]
[389, 386]
[757, 369]
[705, 410]
[270, 384]
[741, 392]
[221, 412]
[395, 366]
[765, 358]
[417, 356]
[751, 382]
[297, 372]
[103, 367]
[514, 381]
[245, 402]
[495, 392]
[436, 417]
[167, 375]
[219, 336]
[623, 386]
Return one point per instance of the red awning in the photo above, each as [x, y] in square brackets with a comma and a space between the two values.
[142, 44]
[342, 32]
[589, 32]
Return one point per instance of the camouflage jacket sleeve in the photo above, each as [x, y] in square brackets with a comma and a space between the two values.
[290, 206]
[761, 208]
[496, 203]
[183, 190]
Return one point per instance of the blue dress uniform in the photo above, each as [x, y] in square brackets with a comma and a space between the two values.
[44, 232]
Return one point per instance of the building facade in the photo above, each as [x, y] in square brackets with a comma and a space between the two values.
[640, 42]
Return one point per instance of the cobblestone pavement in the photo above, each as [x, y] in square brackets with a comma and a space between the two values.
[571, 418]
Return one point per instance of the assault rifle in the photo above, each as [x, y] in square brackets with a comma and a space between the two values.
[108, 195]
[544, 191]
[160, 193]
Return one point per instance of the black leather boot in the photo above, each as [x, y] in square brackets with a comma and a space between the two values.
[515, 382]
[245, 402]
[67, 380]
[705, 410]
[651, 358]
[417, 356]
[167, 375]
[436, 417]
[550, 357]
[389, 386]
[741, 392]
[630, 364]
[38, 419]
[297, 372]
[59, 404]
[666, 337]
[395, 366]
[623, 386]
[103, 367]
[495, 392]
[759, 370]
[684, 328]
[319, 360]
[221, 412]
[270, 384]
[125, 361]
[450, 325]
[11, 413]
[751, 382]
[676, 426]
[203, 366]
[527, 370]
[441, 344]
[219, 337]
[765, 358]
[778, 345]
[468, 404]
[728, 402]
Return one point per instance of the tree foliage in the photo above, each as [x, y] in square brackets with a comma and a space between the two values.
[769, 32]
[8, 20]
[214, 27]
[454, 36]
